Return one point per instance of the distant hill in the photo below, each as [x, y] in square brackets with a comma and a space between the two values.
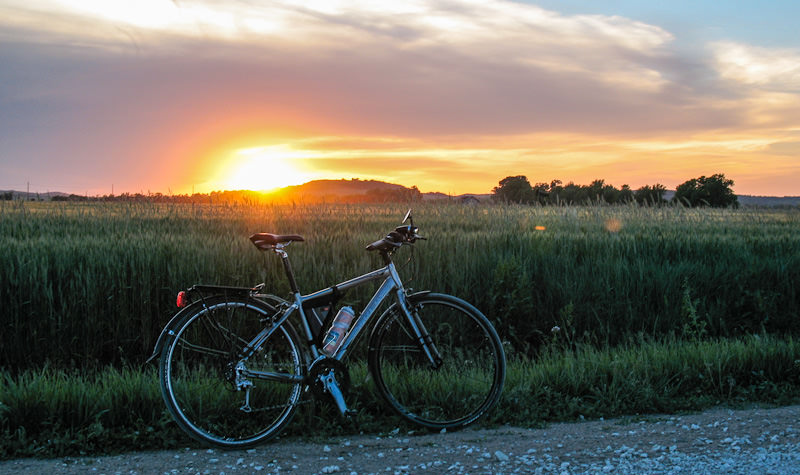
[356, 190]
[432, 196]
[320, 188]
[749, 200]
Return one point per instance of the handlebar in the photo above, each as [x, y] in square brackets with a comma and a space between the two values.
[405, 234]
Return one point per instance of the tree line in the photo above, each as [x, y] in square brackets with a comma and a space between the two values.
[714, 191]
[372, 195]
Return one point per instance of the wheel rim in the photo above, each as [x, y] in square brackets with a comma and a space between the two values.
[199, 379]
[465, 386]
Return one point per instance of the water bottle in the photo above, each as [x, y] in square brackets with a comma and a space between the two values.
[333, 339]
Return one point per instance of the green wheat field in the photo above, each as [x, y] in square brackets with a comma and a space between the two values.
[603, 310]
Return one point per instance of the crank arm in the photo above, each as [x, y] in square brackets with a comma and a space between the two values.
[332, 387]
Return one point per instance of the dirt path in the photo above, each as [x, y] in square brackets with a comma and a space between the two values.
[715, 441]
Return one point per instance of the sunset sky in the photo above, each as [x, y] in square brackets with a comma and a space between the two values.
[451, 95]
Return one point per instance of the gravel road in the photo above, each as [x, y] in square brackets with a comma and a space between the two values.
[753, 441]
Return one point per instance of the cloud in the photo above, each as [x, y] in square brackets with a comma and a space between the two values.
[772, 69]
[421, 67]
[442, 84]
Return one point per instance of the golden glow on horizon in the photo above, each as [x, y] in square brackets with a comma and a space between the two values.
[264, 168]
[449, 168]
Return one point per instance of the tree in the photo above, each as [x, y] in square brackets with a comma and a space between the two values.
[595, 190]
[625, 194]
[611, 194]
[541, 193]
[392, 195]
[573, 194]
[650, 195]
[514, 189]
[714, 191]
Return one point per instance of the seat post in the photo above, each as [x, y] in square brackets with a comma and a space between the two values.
[287, 267]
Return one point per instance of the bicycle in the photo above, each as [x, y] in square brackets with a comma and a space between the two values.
[233, 369]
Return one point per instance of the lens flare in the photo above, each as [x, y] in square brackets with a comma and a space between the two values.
[265, 168]
[613, 225]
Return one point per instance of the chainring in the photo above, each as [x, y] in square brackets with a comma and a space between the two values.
[322, 367]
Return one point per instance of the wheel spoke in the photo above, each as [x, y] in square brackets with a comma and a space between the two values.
[202, 349]
[216, 396]
[467, 382]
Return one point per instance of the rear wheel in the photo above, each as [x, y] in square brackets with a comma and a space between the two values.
[218, 395]
[466, 384]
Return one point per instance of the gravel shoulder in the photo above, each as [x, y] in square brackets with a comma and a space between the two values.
[761, 440]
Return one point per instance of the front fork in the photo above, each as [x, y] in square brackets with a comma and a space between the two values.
[423, 338]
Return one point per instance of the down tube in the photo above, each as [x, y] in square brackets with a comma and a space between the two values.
[386, 287]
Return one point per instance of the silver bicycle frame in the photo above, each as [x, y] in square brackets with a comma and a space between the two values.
[390, 283]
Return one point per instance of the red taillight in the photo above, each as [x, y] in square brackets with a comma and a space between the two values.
[182, 300]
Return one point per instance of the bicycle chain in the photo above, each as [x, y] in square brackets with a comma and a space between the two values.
[315, 387]
[280, 406]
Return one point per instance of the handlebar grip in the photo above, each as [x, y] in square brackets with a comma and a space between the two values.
[395, 236]
[401, 235]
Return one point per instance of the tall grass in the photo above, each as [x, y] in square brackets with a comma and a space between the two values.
[603, 310]
[90, 284]
[50, 412]
[653, 377]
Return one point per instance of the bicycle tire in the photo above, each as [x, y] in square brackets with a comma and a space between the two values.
[466, 385]
[197, 373]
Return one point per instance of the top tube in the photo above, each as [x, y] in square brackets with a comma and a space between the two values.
[383, 272]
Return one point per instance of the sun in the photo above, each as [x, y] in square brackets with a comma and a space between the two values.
[264, 168]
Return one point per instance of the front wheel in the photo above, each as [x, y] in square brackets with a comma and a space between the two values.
[457, 391]
[219, 391]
